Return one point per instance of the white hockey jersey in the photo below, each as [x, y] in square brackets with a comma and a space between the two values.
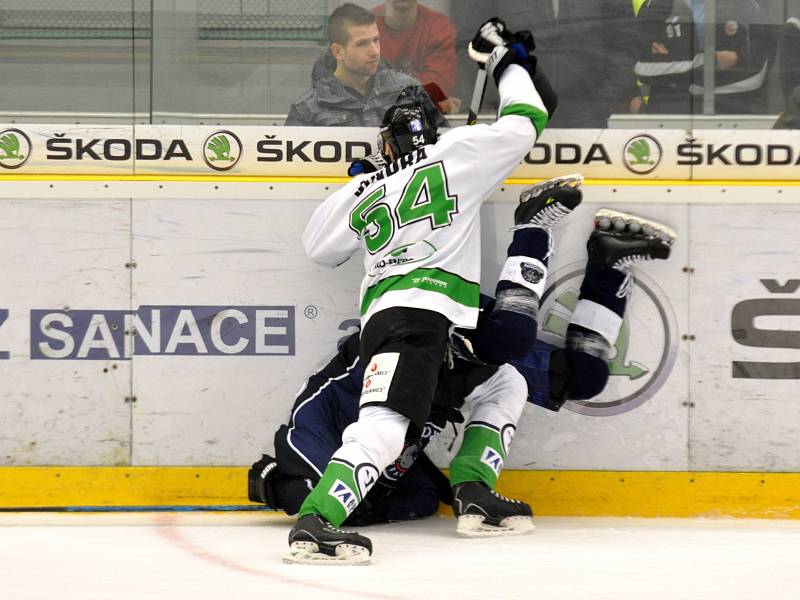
[418, 219]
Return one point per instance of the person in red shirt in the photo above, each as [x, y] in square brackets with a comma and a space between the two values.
[420, 42]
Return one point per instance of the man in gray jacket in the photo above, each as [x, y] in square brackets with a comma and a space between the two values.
[351, 85]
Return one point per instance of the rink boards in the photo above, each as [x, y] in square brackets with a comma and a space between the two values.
[230, 319]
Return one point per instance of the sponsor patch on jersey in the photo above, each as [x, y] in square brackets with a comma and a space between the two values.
[346, 497]
[401, 256]
[492, 459]
[378, 377]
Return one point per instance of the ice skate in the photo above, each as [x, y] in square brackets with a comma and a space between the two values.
[621, 239]
[546, 203]
[617, 221]
[482, 512]
[315, 541]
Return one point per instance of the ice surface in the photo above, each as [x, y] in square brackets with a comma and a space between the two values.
[198, 556]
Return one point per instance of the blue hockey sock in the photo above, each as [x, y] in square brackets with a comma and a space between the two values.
[601, 284]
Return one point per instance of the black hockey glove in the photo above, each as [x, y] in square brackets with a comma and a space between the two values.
[491, 34]
[261, 479]
[496, 48]
[368, 164]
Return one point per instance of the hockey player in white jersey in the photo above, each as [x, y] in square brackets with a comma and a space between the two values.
[418, 221]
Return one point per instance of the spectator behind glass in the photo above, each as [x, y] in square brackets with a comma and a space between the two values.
[790, 118]
[586, 47]
[671, 39]
[789, 64]
[350, 85]
[422, 43]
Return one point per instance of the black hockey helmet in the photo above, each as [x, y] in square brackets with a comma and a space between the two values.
[408, 124]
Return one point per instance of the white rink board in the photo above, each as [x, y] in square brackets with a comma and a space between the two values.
[741, 422]
[196, 405]
[62, 253]
[223, 410]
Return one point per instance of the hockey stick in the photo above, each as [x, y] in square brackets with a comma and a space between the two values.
[477, 96]
[490, 32]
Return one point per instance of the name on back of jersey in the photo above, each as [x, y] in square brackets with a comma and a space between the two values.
[393, 167]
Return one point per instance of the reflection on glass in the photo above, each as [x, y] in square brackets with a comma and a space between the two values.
[586, 49]
[673, 57]
[613, 62]
[235, 62]
[789, 70]
[66, 60]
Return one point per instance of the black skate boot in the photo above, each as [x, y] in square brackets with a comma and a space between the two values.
[315, 541]
[259, 480]
[546, 203]
[482, 512]
[621, 239]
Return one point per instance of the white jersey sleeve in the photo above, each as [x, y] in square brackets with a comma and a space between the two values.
[492, 152]
[327, 238]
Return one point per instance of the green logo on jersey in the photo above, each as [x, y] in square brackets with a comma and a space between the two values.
[404, 255]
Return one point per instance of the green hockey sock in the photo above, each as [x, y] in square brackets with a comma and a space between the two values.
[335, 496]
[480, 457]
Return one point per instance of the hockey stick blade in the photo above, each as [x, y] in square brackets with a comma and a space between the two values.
[477, 96]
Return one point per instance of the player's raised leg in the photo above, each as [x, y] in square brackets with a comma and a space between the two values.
[546, 203]
[509, 330]
[618, 242]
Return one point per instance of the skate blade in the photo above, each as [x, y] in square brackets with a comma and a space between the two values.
[574, 180]
[473, 526]
[306, 553]
[664, 232]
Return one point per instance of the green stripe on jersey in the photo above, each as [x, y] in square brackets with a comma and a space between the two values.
[537, 115]
[428, 280]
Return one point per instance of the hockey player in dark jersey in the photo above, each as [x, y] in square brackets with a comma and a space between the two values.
[495, 369]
